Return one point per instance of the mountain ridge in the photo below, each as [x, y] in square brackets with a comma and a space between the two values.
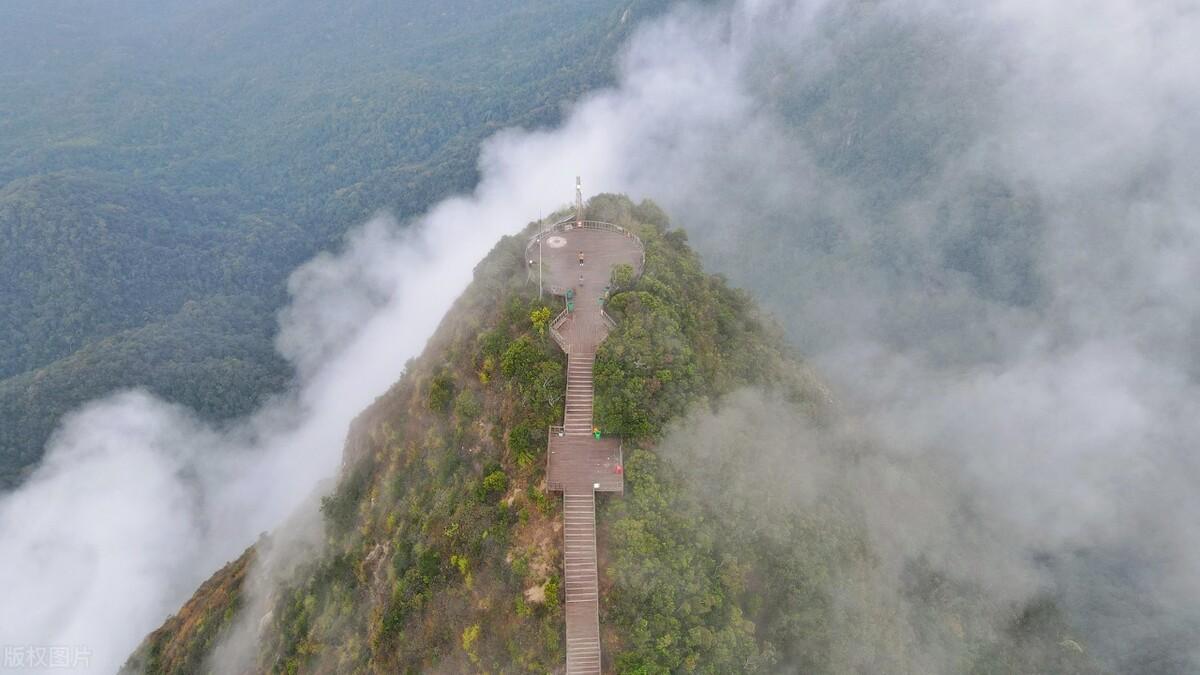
[440, 548]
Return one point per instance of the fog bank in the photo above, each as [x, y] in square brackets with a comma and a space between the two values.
[980, 223]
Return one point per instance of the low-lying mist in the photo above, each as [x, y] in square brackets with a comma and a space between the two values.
[138, 501]
[980, 223]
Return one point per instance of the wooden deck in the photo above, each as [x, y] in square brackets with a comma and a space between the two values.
[584, 464]
[578, 464]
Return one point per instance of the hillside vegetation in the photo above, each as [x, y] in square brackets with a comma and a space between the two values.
[441, 550]
[167, 164]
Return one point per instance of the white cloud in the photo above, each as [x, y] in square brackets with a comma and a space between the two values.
[979, 220]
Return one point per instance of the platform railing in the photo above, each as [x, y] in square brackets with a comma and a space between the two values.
[533, 272]
[556, 334]
[552, 485]
[612, 323]
[572, 224]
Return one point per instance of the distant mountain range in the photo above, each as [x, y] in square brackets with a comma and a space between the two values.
[165, 165]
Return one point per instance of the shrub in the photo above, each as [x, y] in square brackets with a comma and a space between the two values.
[520, 359]
[492, 343]
[521, 440]
[441, 392]
[622, 276]
[493, 485]
[469, 635]
[552, 592]
[467, 406]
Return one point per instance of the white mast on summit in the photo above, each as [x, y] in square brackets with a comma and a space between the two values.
[578, 203]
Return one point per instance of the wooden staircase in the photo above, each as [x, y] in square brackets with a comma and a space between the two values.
[582, 588]
[579, 532]
[578, 420]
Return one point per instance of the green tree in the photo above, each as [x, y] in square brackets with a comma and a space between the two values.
[622, 276]
[540, 318]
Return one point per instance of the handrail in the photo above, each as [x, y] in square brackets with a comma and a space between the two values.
[558, 337]
[620, 462]
[595, 555]
[552, 485]
[612, 323]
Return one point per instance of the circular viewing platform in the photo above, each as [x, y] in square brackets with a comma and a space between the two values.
[604, 246]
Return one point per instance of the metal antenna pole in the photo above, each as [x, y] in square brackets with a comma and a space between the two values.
[539, 268]
[578, 203]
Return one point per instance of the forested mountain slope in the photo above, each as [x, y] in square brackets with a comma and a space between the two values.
[166, 165]
[440, 549]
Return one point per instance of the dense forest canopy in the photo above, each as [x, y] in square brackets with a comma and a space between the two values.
[165, 165]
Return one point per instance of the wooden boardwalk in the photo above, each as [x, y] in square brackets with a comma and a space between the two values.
[579, 465]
